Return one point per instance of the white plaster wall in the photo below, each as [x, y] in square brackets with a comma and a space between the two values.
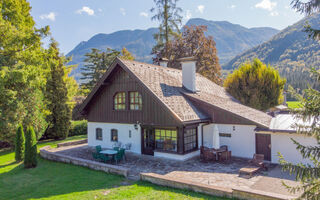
[176, 156]
[123, 135]
[242, 141]
[281, 142]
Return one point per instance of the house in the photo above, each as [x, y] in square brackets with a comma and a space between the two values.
[170, 113]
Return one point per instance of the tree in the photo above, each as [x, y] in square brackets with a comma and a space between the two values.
[168, 14]
[30, 158]
[308, 7]
[125, 54]
[57, 96]
[193, 42]
[256, 85]
[97, 62]
[22, 70]
[308, 115]
[20, 142]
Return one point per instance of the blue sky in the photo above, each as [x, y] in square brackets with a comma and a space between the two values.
[73, 21]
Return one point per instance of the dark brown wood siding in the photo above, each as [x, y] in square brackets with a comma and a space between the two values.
[153, 112]
[220, 116]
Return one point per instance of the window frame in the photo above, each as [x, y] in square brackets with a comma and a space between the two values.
[123, 99]
[97, 137]
[138, 103]
[112, 131]
[162, 139]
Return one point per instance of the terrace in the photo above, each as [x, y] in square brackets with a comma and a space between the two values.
[223, 175]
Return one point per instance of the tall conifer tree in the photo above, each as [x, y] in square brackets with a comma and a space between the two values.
[30, 157]
[57, 96]
[20, 142]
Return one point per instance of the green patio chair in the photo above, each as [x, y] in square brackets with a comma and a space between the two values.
[105, 158]
[98, 149]
[119, 155]
[96, 155]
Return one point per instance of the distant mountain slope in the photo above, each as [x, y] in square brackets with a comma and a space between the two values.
[289, 48]
[231, 39]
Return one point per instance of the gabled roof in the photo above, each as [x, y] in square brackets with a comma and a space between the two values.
[166, 85]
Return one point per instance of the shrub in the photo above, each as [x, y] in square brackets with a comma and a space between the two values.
[78, 128]
[20, 142]
[30, 157]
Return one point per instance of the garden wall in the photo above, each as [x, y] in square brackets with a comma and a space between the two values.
[47, 154]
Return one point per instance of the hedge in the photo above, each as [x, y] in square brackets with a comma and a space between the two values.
[78, 128]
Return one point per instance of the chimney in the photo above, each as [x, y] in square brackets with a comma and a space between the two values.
[189, 73]
[163, 62]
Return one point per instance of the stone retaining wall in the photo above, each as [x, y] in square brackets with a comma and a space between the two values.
[113, 169]
[211, 190]
[64, 144]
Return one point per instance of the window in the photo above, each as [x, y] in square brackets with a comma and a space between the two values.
[166, 139]
[225, 135]
[98, 134]
[135, 101]
[114, 135]
[120, 101]
[190, 139]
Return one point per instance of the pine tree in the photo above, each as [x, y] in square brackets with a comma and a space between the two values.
[97, 62]
[168, 14]
[256, 85]
[30, 158]
[308, 7]
[20, 142]
[57, 96]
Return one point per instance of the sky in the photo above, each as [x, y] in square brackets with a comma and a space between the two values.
[73, 21]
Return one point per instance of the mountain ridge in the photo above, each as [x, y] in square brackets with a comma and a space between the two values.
[231, 39]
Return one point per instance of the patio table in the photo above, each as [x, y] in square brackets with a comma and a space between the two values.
[109, 152]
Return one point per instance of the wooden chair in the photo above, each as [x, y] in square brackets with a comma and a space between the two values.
[224, 156]
[258, 160]
[209, 155]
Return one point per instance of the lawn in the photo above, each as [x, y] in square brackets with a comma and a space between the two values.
[52, 180]
[294, 104]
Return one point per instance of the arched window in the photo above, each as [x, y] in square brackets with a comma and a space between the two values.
[120, 101]
[135, 101]
[114, 135]
[98, 134]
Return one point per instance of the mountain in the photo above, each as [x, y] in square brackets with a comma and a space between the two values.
[291, 51]
[231, 39]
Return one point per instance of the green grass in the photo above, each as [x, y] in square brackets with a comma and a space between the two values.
[52, 180]
[294, 104]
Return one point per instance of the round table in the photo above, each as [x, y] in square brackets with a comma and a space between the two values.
[109, 152]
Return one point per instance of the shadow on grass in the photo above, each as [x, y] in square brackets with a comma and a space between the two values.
[52, 179]
[7, 165]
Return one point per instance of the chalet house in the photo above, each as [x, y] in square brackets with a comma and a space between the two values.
[170, 113]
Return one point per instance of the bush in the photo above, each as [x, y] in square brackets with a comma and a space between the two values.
[20, 142]
[78, 128]
[30, 157]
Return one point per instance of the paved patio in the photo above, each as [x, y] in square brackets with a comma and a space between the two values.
[216, 174]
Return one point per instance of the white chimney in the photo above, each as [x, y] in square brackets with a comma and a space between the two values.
[189, 73]
[163, 62]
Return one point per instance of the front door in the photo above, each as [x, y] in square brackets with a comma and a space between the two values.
[148, 143]
[263, 145]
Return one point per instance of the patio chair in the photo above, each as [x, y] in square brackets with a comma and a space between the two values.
[209, 155]
[96, 156]
[224, 156]
[224, 147]
[98, 149]
[119, 155]
[105, 158]
[257, 160]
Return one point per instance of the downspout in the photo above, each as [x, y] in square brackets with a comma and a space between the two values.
[206, 124]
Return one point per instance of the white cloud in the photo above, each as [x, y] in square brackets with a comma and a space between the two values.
[200, 8]
[86, 9]
[233, 6]
[266, 5]
[144, 14]
[51, 16]
[123, 11]
[274, 13]
[188, 14]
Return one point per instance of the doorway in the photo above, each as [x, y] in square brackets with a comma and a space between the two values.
[263, 145]
[148, 143]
